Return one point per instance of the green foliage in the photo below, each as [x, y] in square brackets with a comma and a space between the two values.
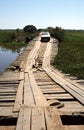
[30, 32]
[18, 36]
[57, 33]
[7, 36]
[30, 29]
[70, 58]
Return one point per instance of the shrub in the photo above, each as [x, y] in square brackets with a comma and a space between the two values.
[58, 33]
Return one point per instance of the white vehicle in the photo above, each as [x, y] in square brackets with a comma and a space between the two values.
[45, 37]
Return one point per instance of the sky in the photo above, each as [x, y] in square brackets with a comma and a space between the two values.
[68, 14]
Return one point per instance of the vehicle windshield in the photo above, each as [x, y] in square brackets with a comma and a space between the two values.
[45, 33]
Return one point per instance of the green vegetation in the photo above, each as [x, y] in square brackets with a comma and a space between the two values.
[18, 35]
[30, 32]
[57, 33]
[16, 39]
[70, 58]
[11, 39]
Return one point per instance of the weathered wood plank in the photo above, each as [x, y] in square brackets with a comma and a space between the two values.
[6, 91]
[21, 75]
[58, 96]
[19, 97]
[7, 111]
[52, 91]
[7, 127]
[53, 120]
[7, 99]
[6, 104]
[28, 94]
[7, 96]
[38, 120]
[27, 119]
[45, 83]
[66, 85]
[74, 127]
[39, 98]
[19, 125]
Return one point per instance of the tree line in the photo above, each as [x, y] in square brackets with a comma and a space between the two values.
[28, 33]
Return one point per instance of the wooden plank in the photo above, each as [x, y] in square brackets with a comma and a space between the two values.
[66, 85]
[42, 80]
[7, 111]
[9, 90]
[21, 75]
[7, 127]
[6, 104]
[27, 119]
[39, 98]
[45, 83]
[72, 107]
[6, 87]
[58, 96]
[74, 127]
[78, 86]
[19, 97]
[61, 98]
[53, 121]
[52, 91]
[7, 96]
[46, 59]
[32, 56]
[19, 125]
[48, 86]
[28, 94]
[7, 99]
[38, 120]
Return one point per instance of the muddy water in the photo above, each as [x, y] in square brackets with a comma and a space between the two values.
[7, 56]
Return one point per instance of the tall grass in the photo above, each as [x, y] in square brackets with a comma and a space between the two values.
[70, 58]
[8, 40]
[5, 36]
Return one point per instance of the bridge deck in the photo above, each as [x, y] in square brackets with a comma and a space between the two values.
[34, 96]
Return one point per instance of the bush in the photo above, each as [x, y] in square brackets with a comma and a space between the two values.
[7, 36]
[58, 33]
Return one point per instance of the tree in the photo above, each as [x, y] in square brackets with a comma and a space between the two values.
[30, 29]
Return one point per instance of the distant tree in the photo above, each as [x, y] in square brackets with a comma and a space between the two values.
[30, 29]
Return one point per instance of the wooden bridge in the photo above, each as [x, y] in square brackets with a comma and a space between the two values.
[35, 96]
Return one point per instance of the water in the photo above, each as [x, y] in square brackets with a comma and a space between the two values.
[7, 56]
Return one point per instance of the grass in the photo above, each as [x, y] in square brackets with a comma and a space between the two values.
[5, 36]
[7, 40]
[70, 58]
[14, 46]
